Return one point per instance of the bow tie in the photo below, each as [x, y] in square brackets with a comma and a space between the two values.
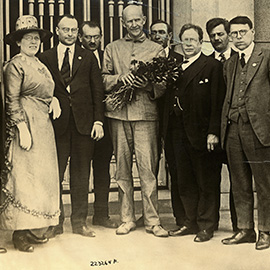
[141, 38]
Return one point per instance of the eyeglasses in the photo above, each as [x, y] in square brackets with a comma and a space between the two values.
[242, 33]
[67, 29]
[89, 37]
[189, 40]
[30, 38]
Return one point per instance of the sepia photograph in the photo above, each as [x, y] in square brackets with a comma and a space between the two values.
[134, 134]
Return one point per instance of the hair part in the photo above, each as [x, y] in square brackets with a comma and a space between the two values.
[91, 24]
[241, 20]
[69, 16]
[169, 28]
[195, 27]
[212, 23]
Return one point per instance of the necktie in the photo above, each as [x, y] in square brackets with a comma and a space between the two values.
[242, 60]
[183, 63]
[65, 70]
[222, 58]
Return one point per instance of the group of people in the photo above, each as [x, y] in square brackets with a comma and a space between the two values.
[55, 113]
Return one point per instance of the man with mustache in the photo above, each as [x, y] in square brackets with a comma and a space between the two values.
[90, 34]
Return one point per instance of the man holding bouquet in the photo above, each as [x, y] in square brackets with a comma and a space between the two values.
[134, 127]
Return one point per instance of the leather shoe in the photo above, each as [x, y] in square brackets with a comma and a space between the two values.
[263, 241]
[84, 231]
[242, 236]
[184, 230]
[104, 221]
[3, 250]
[157, 230]
[33, 239]
[126, 227]
[20, 241]
[140, 222]
[203, 236]
[53, 231]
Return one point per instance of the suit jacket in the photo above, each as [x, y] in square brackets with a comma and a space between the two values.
[257, 96]
[232, 53]
[161, 101]
[201, 93]
[86, 90]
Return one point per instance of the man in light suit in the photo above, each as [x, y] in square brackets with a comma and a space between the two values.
[192, 116]
[90, 34]
[218, 31]
[245, 132]
[78, 93]
[134, 128]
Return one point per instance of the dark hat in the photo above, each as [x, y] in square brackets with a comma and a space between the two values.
[26, 24]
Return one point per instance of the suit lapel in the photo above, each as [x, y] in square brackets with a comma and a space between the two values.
[53, 62]
[232, 64]
[194, 69]
[254, 64]
[78, 57]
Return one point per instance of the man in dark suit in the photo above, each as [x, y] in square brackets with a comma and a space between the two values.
[161, 33]
[90, 34]
[78, 94]
[218, 31]
[192, 116]
[245, 132]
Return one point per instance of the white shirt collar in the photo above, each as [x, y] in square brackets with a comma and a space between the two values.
[95, 52]
[191, 60]
[248, 51]
[227, 54]
[167, 50]
[62, 48]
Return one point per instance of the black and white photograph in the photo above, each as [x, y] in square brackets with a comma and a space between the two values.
[134, 134]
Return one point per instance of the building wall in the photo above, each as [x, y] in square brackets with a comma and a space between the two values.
[200, 11]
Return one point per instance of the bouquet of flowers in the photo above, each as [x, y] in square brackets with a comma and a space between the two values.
[159, 70]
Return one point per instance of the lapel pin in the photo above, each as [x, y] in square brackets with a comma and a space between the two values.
[254, 64]
[79, 57]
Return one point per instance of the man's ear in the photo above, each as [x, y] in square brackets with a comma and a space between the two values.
[123, 23]
[144, 20]
[57, 30]
[170, 35]
[80, 37]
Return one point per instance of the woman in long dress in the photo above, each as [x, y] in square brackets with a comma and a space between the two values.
[30, 180]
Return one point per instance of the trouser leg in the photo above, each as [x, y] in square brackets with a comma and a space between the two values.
[82, 147]
[145, 135]
[101, 172]
[123, 146]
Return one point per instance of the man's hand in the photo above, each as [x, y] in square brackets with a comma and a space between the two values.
[55, 108]
[97, 132]
[24, 136]
[212, 141]
[127, 79]
[140, 82]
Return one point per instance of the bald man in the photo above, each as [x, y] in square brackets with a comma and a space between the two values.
[134, 128]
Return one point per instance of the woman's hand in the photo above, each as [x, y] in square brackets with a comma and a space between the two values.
[24, 136]
[55, 108]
